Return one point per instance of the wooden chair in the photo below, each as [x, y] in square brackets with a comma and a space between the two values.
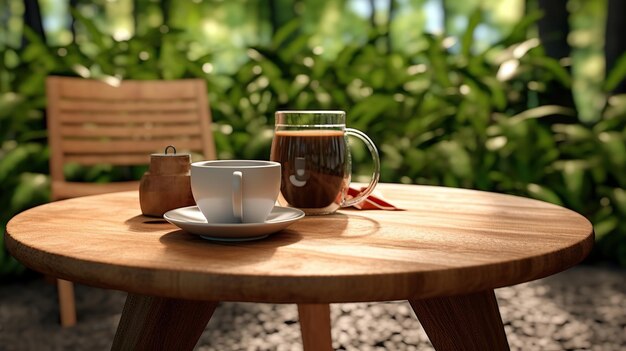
[91, 122]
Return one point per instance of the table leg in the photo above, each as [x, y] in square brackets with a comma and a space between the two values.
[156, 323]
[67, 303]
[466, 322]
[315, 327]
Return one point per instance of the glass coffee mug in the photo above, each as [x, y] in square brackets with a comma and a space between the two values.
[312, 148]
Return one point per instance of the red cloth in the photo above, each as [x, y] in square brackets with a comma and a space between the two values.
[372, 202]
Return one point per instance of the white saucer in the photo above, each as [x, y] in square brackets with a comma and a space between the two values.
[191, 220]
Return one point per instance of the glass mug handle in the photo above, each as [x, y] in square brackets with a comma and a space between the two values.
[376, 174]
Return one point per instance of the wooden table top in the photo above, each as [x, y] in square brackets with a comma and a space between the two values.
[447, 242]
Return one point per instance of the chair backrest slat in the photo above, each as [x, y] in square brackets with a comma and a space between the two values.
[129, 117]
[127, 90]
[143, 130]
[113, 146]
[121, 160]
[124, 107]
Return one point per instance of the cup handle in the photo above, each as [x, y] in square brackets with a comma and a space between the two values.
[376, 174]
[237, 187]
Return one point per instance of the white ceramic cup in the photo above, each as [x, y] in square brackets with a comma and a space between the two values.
[235, 191]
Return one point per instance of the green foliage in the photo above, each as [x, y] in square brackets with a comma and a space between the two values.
[446, 114]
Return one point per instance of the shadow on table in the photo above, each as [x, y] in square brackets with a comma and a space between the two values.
[214, 253]
[337, 225]
[143, 223]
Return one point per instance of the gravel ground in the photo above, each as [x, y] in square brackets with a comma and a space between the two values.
[583, 308]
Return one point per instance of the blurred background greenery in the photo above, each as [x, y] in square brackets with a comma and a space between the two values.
[515, 96]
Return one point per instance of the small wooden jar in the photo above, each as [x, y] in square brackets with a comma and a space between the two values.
[167, 184]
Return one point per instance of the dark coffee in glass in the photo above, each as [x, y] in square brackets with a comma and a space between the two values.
[312, 149]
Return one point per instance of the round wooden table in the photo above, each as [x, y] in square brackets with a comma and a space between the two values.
[445, 254]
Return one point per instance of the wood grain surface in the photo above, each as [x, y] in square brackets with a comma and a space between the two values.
[447, 242]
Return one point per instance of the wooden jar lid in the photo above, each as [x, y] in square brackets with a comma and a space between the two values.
[163, 164]
[170, 163]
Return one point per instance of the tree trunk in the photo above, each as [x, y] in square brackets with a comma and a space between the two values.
[32, 19]
[553, 31]
[446, 20]
[615, 46]
[137, 8]
[390, 16]
[74, 6]
[165, 11]
[373, 13]
[273, 13]
[554, 28]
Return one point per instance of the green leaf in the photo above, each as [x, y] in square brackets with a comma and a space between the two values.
[295, 47]
[619, 199]
[573, 132]
[605, 227]
[617, 74]
[540, 112]
[392, 156]
[32, 189]
[615, 148]
[284, 32]
[554, 67]
[8, 103]
[169, 60]
[520, 30]
[498, 94]
[437, 57]
[94, 33]
[468, 36]
[36, 46]
[32, 84]
[542, 193]
[457, 158]
[615, 108]
[573, 174]
[369, 109]
[19, 159]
